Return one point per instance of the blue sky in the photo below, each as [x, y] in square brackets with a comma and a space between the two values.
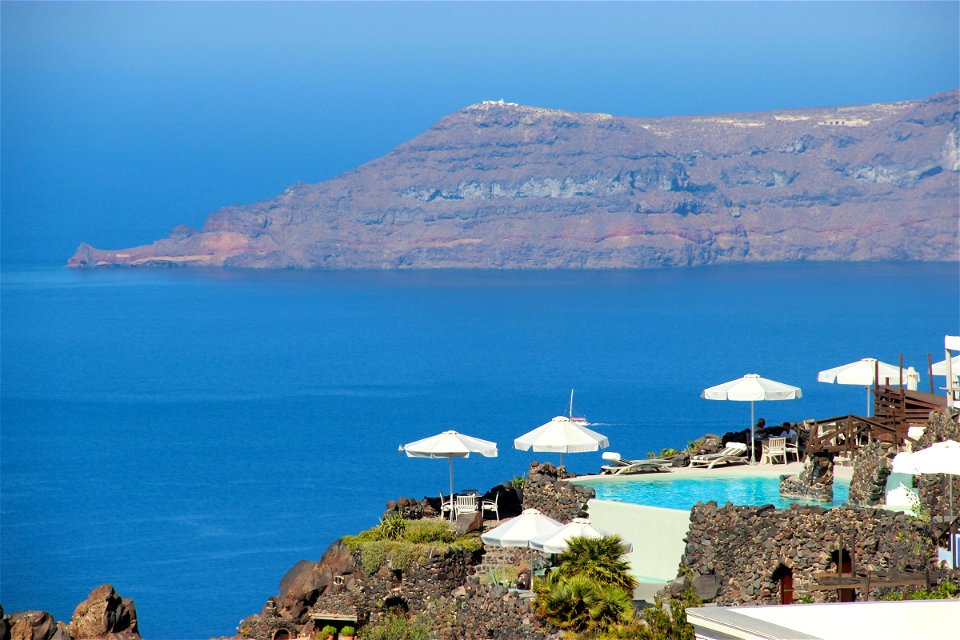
[122, 120]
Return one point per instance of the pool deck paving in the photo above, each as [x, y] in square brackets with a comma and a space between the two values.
[731, 471]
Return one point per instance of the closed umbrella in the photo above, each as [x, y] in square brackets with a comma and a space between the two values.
[561, 435]
[450, 445]
[863, 372]
[557, 541]
[752, 388]
[941, 457]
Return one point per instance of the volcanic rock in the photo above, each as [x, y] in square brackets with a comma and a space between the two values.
[500, 185]
[104, 612]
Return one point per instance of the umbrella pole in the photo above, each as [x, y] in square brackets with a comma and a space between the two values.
[753, 446]
[953, 528]
[868, 401]
[451, 487]
[561, 458]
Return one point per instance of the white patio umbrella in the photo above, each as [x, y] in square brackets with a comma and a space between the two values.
[561, 435]
[752, 388]
[557, 541]
[519, 531]
[863, 372]
[450, 445]
[940, 368]
[940, 457]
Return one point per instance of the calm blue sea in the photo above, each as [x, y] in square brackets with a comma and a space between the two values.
[189, 435]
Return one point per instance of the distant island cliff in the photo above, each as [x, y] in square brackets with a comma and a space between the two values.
[500, 185]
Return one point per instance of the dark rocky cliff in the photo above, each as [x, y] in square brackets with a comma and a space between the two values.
[507, 186]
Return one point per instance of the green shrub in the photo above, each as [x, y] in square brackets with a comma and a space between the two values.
[372, 556]
[394, 626]
[518, 482]
[419, 531]
[504, 576]
[943, 591]
[348, 631]
[392, 528]
[402, 542]
[470, 543]
[329, 630]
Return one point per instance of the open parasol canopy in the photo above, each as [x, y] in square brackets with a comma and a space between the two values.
[557, 541]
[863, 372]
[752, 388]
[561, 435]
[450, 445]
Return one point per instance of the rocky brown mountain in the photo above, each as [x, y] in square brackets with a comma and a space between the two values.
[502, 185]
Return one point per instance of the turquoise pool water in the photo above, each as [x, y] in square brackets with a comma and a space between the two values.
[683, 493]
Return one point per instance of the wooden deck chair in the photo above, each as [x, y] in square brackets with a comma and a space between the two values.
[491, 505]
[775, 448]
[466, 504]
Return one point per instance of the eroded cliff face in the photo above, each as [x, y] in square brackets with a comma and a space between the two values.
[500, 185]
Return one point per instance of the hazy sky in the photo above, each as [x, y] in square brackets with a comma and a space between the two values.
[120, 121]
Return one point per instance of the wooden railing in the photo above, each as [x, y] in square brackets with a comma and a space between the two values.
[844, 434]
[895, 406]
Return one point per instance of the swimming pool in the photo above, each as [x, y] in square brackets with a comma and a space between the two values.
[683, 493]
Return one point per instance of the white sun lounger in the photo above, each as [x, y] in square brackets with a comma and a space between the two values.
[622, 466]
[734, 453]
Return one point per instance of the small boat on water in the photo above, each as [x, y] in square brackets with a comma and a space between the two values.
[581, 420]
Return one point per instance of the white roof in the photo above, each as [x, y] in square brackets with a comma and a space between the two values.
[876, 620]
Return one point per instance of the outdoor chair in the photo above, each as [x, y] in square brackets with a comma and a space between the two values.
[733, 453]
[773, 449]
[792, 449]
[622, 466]
[491, 505]
[466, 504]
[446, 506]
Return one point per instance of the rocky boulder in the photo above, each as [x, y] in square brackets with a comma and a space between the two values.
[35, 625]
[306, 581]
[104, 612]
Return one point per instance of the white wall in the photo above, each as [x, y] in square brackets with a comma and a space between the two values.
[656, 535]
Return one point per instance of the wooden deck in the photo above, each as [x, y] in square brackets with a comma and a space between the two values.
[895, 411]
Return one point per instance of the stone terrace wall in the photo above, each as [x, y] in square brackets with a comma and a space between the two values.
[546, 491]
[814, 482]
[741, 547]
[414, 586]
[871, 466]
[934, 491]
[482, 611]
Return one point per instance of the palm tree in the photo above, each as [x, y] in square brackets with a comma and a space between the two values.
[579, 603]
[600, 559]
